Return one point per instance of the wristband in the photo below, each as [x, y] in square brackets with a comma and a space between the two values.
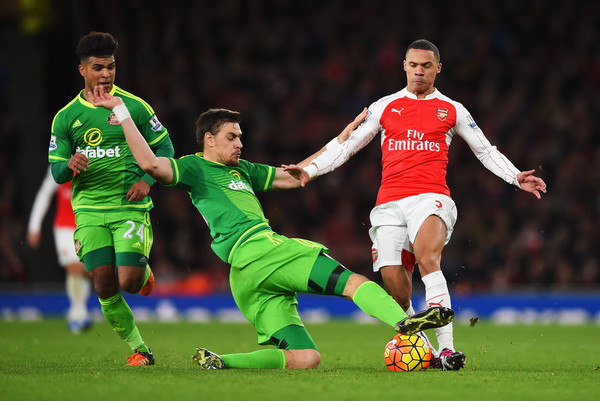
[332, 148]
[121, 112]
[312, 170]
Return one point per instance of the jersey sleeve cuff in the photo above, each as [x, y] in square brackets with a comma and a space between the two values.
[149, 180]
[61, 172]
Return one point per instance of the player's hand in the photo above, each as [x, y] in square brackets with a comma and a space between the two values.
[99, 98]
[78, 163]
[297, 172]
[531, 183]
[33, 239]
[138, 191]
[345, 134]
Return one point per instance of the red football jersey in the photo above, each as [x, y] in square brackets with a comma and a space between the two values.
[415, 139]
[414, 147]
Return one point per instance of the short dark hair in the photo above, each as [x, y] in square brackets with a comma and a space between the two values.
[96, 44]
[212, 120]
[424, 44]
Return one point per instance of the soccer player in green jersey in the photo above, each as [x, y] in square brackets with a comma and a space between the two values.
[267, 269]
[110, 190]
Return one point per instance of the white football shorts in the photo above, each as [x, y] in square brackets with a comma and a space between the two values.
[65, 247]
[395, 224]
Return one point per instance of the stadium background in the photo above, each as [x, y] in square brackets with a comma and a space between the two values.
[529, 73]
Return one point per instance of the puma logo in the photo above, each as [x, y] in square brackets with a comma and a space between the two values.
[398, 111]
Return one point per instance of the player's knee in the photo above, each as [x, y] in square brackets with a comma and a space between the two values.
[104, 281]
[303, 359]
[131, 283]
[105, 290]
[130, 286]
[354, 281]
[428, 264]
[312, 359]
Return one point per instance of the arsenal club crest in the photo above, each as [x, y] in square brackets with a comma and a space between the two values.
[442, 113]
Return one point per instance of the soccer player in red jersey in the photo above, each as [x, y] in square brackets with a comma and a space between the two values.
[77, 281]
[414, 215]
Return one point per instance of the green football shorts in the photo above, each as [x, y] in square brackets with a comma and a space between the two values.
[266, 273]
[116, 238]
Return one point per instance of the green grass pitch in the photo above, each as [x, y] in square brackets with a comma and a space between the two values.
[44, 361]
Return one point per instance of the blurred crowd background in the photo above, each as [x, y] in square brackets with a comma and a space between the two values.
[299, 71]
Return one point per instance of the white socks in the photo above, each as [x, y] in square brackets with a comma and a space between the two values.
[78, 292]
[437, 294]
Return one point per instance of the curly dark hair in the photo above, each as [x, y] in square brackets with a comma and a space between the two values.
[96, 44]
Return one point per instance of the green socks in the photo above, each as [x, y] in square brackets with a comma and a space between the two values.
[118, 314]
[369, 297]
[374, 301]
[261, 359]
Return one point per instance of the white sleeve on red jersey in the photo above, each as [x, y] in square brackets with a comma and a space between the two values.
[42, 202]
[337, 153]
[487, 154]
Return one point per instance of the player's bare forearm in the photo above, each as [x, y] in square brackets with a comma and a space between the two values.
[289, 177]
[158, 168]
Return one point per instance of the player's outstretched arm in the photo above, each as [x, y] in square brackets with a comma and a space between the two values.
[158, 168]
[290, 176]
[531, 183]
[42, 201]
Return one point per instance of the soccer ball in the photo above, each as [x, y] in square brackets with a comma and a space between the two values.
[407, 353]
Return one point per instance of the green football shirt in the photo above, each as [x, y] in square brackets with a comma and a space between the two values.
[225, 197]
[95, 132]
